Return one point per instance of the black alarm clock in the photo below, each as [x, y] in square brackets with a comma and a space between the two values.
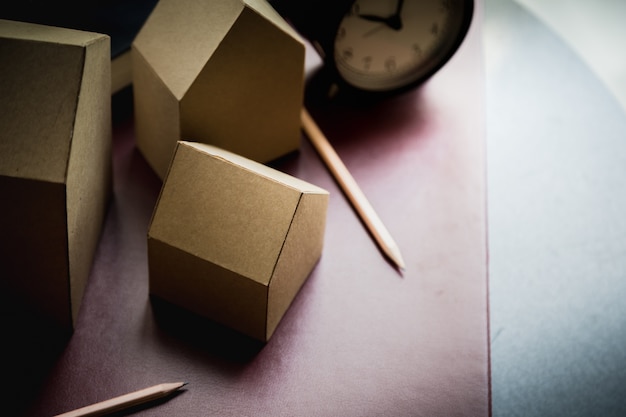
[378, 47]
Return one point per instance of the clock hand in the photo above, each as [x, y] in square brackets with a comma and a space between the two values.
[393, 21]
[373, 30]
[399, 7]
[374, 18]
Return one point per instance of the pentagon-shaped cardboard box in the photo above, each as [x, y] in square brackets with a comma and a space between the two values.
[55, 165]
[225, 72]
[232, 239]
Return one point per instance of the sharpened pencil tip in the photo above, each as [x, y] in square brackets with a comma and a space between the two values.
[394, 255]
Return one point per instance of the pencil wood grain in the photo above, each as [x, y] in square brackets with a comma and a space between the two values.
[352, 190]
[125, 401]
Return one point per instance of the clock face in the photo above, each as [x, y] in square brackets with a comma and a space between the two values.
[384, 45]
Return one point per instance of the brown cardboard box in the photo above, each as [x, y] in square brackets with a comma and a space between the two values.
[225, 72]
[55, 164]
[232, 239]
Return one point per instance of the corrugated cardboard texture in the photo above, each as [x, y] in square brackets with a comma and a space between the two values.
[213, 64]
[55, 162]
[246, 226]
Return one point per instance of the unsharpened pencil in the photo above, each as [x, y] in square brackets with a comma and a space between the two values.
[126, 401]
[352, 190]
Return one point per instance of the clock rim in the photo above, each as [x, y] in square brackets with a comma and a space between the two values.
[346, 85]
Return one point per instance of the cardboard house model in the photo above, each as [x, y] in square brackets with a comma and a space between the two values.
[225, 72]
[232, 239]
[55, 165]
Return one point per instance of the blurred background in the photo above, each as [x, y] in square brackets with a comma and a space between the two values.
[556, 146]
[595, 30]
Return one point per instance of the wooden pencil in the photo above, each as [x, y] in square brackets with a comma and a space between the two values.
[125, 401]
[352, 190]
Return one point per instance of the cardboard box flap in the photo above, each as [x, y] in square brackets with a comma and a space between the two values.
[39, 150]
[247, 216]
[199, 25]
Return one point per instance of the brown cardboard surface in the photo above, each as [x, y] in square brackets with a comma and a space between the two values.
[89, 167]
[250, 227]
[220, 85]
[157, 120]
[55, 163]
[34, 266]
[40, 85]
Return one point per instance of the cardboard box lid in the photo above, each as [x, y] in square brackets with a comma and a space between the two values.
[41, 74]
[186, 22]
[244, 207]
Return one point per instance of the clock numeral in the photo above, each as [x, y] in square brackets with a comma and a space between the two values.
[347, 54]
[417, 50]
[341, 33]
[434, 30]
[367, 63]
[354, 10]
[390, 64]
[446, 6]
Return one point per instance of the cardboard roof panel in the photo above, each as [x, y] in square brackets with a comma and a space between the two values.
[40, 81]
[264, 8]
[258, 168]
[247, 98]
[247, 216]
[44, 33]
[199, 25]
